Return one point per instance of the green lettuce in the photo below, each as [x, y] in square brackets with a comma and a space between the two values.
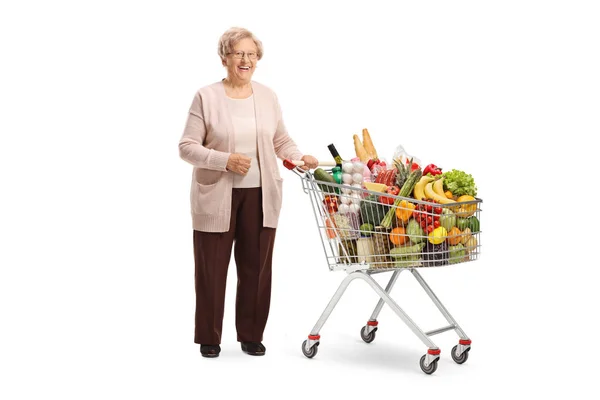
[459, 183]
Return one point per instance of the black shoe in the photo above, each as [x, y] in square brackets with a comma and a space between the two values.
[253, 348]
[210, 350]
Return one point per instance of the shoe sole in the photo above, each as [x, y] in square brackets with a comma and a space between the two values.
[257, 353]
[254, 354]
[210, 355]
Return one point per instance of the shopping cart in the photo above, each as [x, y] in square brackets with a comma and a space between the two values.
[360, 241]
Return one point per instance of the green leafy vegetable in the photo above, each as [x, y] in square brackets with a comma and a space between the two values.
[415, 232]
[459, 183]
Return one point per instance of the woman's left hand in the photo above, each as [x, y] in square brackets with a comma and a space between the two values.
[310, 162]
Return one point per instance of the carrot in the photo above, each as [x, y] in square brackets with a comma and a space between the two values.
[360, 150]
[330, 228]
[369, 144]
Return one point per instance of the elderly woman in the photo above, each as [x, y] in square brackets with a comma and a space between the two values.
[233, 136]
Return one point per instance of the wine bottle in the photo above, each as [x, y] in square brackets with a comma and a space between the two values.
[336, 155]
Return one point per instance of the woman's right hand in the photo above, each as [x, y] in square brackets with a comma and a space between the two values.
[238, 163]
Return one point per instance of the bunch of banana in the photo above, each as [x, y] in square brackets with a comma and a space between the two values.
[419, 190]
[435, 190]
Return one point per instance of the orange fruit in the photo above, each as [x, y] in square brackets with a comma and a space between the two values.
[454, 236]
[398, 236]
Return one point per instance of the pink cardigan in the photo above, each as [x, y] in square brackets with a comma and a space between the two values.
[207, 142]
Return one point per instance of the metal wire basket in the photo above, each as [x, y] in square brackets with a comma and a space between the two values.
[356, 235]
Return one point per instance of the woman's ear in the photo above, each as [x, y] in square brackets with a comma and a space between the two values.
[224, 62]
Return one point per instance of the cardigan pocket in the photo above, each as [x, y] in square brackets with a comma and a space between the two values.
[207, 177]
[205, 199]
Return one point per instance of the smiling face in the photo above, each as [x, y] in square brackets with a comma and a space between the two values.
[240, 70]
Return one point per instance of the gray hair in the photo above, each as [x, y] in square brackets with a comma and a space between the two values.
[234, 35]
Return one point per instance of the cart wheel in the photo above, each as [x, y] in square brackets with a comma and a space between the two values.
[463, 357]
[312, 352]
[367, 338]
[431, 368]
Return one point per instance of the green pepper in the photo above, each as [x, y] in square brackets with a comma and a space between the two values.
[473, 224]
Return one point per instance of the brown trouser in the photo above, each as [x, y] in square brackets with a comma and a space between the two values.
[253, 255]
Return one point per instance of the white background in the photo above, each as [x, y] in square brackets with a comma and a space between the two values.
[96, 278]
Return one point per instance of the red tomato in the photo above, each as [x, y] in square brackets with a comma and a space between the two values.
[386, 200]
[394, 190]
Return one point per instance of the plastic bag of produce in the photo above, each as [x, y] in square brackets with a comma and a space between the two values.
[401, 154]
[347, 224]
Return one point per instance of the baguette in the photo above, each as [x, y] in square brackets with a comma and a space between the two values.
[368, 144]
[360, 150]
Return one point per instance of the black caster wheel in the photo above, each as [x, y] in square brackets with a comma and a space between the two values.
[367, 338]
[463, 357]
[312, 352]
[431, 368]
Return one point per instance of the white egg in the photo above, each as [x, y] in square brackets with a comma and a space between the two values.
[357, 167]
[357, 177]
[346, 199]
[347, 178]
[348, 167]
[354, 208]
[356, 197]
[357, 191]
[343, 208]
[346, 191]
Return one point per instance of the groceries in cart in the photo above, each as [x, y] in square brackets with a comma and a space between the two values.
[395, 214]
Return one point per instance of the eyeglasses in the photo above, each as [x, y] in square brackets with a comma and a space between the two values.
[240, 54]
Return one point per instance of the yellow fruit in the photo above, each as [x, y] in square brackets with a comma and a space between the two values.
[466, 210]
[419, 190]
[434, 196]
[471, 244]
[438, 235]
[438, 187]
[466, 235]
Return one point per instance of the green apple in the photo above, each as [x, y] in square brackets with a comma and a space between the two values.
[447, 219]
[366, 229]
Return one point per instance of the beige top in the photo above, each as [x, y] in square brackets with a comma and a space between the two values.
[209, 138]
[244, 127]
